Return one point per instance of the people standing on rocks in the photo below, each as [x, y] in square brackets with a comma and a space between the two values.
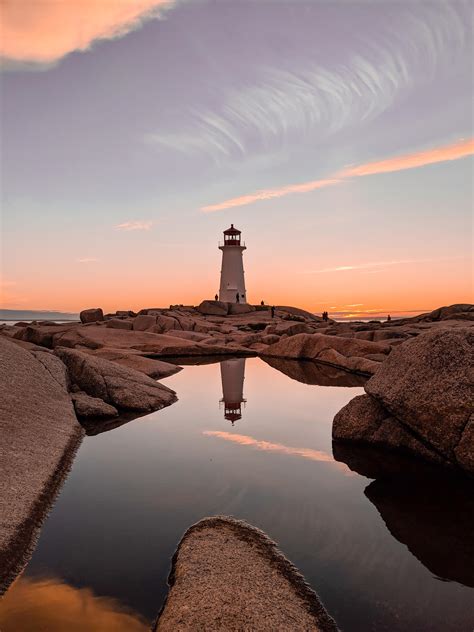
[262, 302]
[389, 319]
[272, 309]
[237, 298]
[216, 298]
[325, 317]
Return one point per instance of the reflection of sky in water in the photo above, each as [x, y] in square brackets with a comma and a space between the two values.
[51, 605]
[267, 446]
[133, 492]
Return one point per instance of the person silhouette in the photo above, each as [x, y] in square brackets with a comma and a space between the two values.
[273, 311]
[262, 302]
[389, 319]
[216, 298]
[237, 298]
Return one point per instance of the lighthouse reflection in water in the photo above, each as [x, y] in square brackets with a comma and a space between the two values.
[232, 376]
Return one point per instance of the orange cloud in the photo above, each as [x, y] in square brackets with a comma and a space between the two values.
[43, 32]
[49, 604]
[268, 194]
[379, 264]
[457, 150]
[454, 151]
[266, 446]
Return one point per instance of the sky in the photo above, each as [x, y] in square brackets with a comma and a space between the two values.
[337, 136]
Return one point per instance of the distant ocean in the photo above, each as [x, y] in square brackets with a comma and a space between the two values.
[10, 316]
[16, 315]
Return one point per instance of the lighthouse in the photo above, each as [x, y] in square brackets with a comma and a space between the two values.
[232, 376]
[232, 287]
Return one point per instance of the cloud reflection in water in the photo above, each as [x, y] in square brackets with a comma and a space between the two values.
[50, 604]
[267, 446]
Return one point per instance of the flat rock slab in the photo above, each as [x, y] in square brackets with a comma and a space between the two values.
[133, 359]
[40, 434]
[97, 336]
[228, 575]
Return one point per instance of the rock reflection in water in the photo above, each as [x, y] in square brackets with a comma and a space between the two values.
[309, 372]
[427, 509]
[51, 605]
[98, 426]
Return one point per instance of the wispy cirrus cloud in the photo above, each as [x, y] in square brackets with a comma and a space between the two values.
[43, 32]
[134, 225]
[454, 151]
[303, 98]
[378, 264]
[88, 260]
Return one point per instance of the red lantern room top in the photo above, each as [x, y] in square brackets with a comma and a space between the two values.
[232, 236]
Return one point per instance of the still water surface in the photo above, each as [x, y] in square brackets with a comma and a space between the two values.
[134, 490]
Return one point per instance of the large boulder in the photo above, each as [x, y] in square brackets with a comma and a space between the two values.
[365, 420]
[144, 322]
[350, 354]
[428, 383]
[450, 311]
[184, 321]
[228, 575]
[447, 312]
[296, 311]
[289, 328]
[87, 406]
[43, 335]
[421, 399]
[119, 323]
[123, 388]
[213, 308]
[240, 308]
[165, 323]
[40, 435]
[91, 315]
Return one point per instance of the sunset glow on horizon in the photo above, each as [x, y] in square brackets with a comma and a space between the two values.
[337, 137]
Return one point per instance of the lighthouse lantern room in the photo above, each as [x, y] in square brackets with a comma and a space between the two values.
[232, 286]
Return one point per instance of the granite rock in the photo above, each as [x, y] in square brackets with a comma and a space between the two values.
[123, 388]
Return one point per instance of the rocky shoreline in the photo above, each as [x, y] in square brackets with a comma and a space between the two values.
[40, 436]
[59, 380]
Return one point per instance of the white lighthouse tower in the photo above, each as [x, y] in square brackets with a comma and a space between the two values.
[232, 287]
